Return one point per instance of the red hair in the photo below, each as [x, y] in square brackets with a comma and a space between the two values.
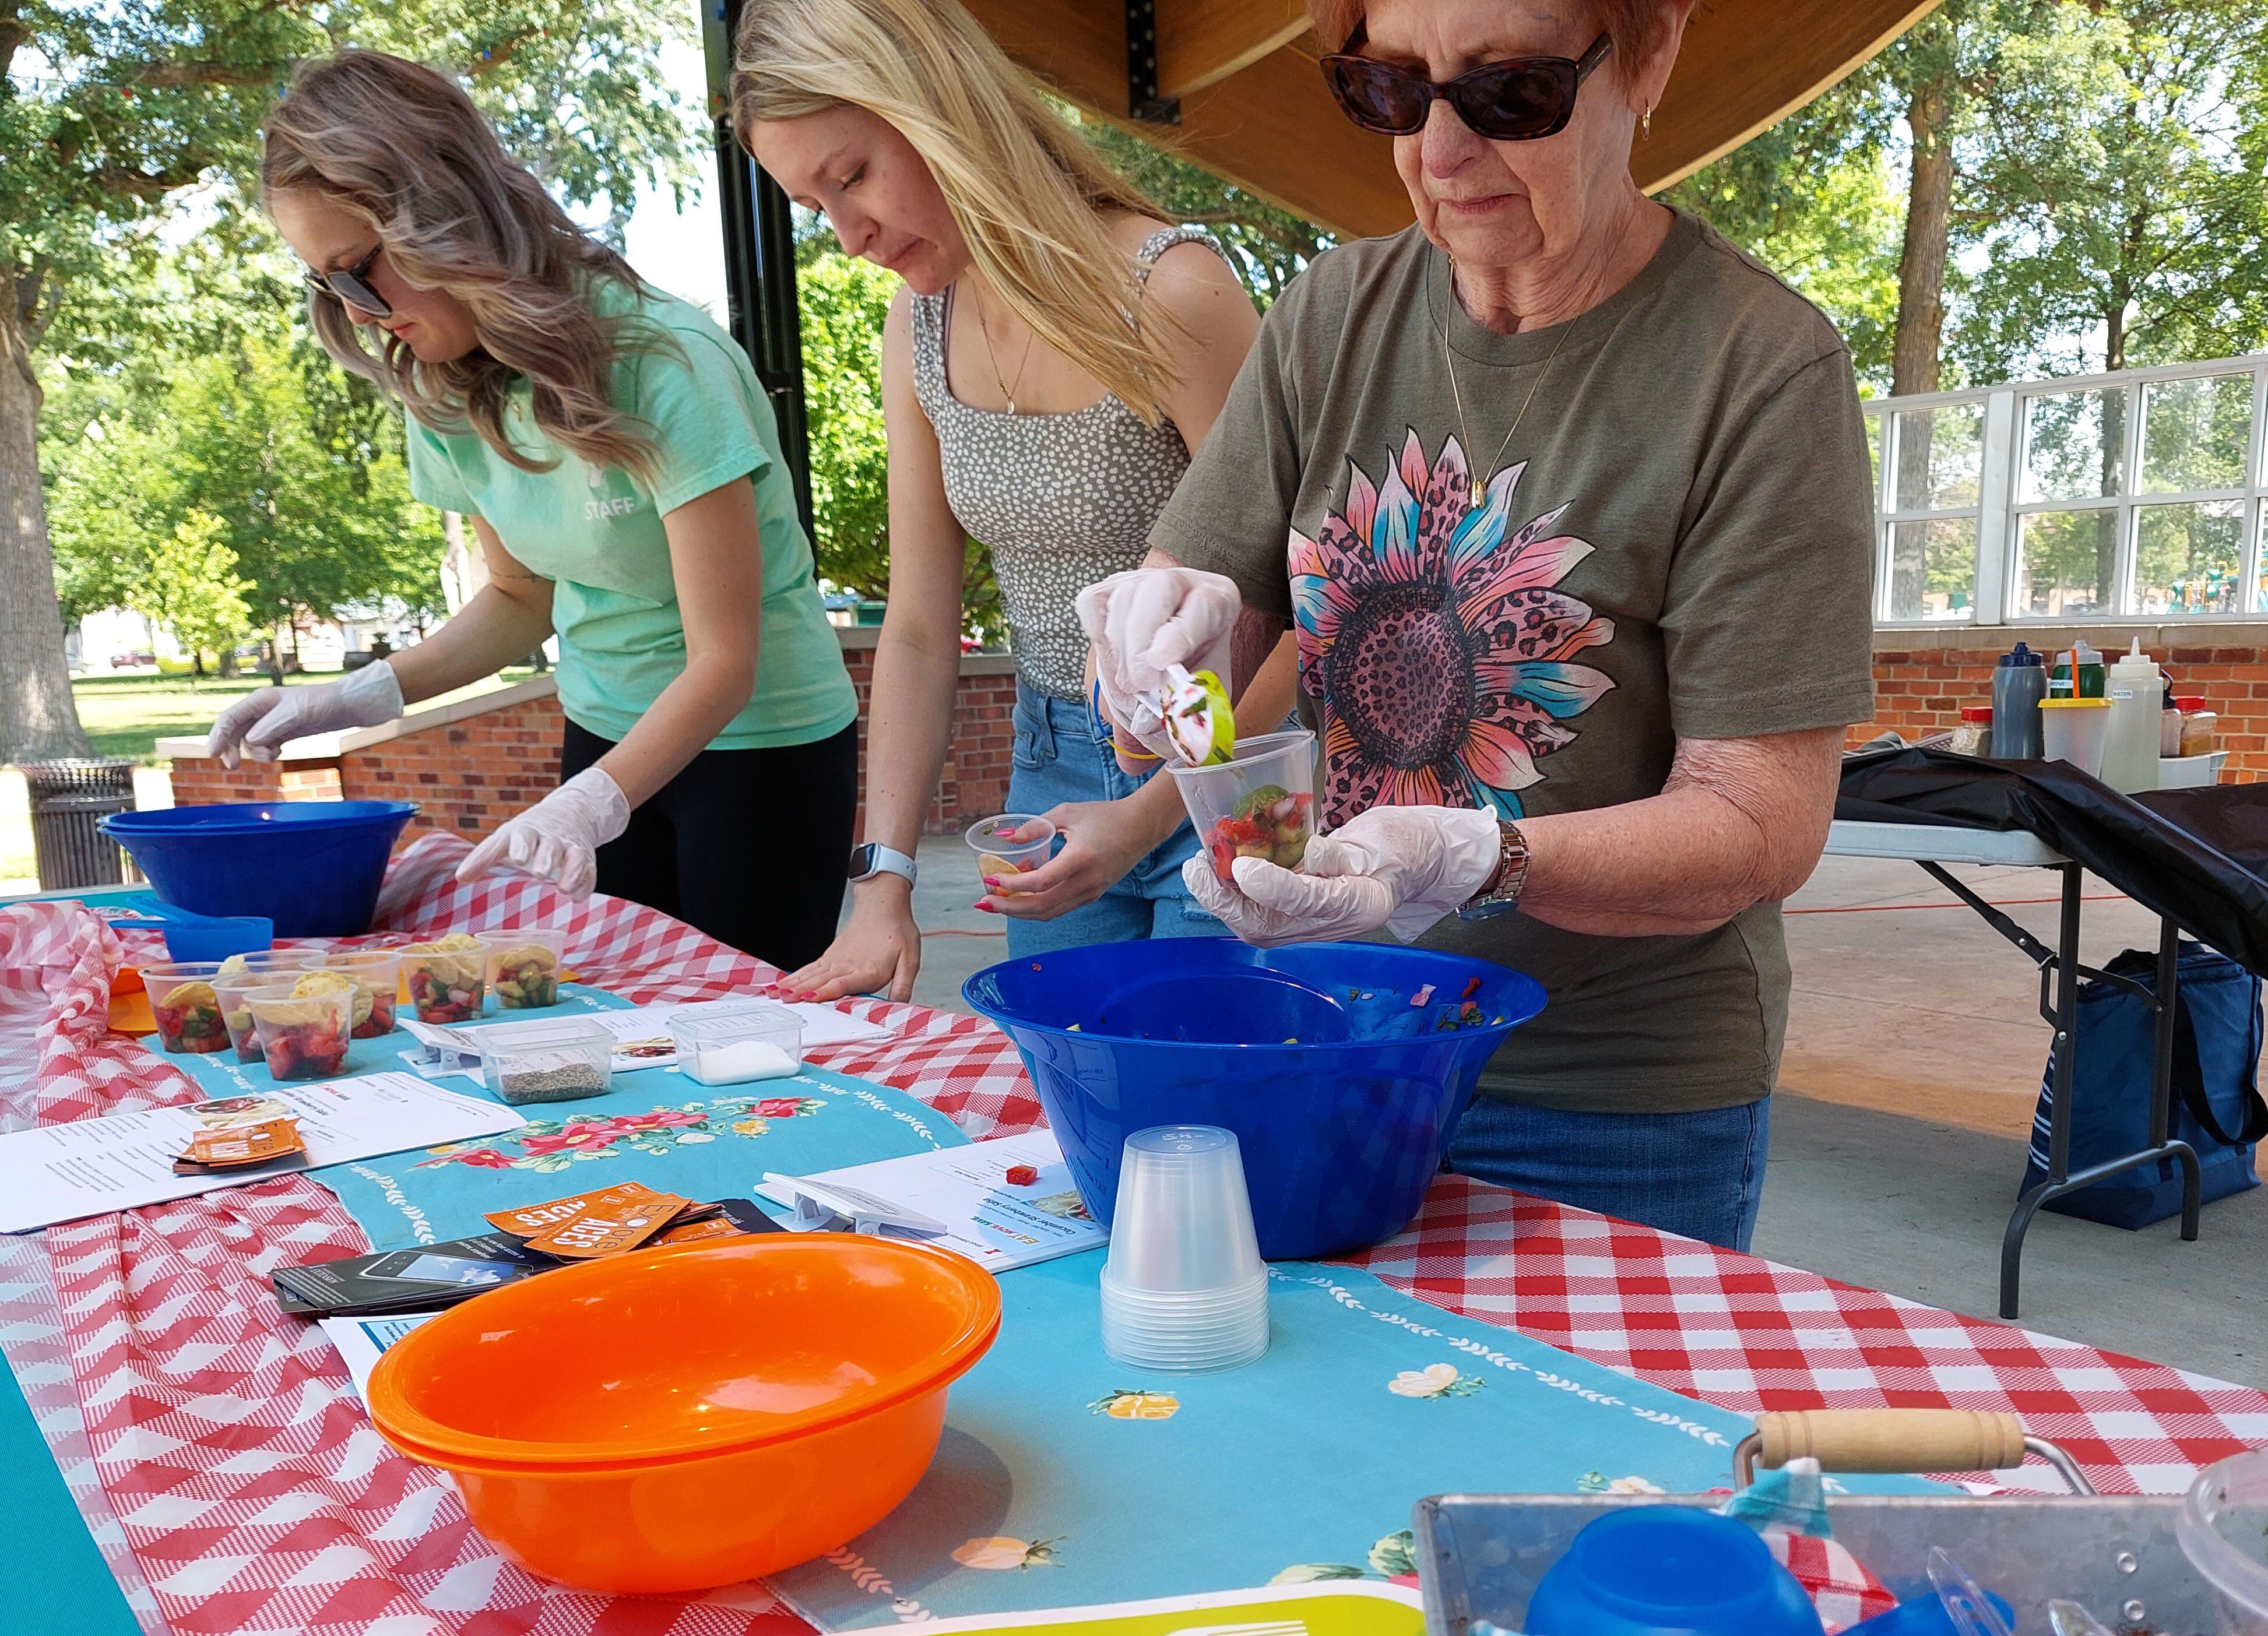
[1637, 27]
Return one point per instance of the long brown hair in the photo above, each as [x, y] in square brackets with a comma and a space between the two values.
[1028, 194]
[404, 149]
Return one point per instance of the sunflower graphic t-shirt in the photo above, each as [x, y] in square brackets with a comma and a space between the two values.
[1676, 542]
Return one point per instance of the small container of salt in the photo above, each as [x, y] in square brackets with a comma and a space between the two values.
[757, 1040]
[546, 1059]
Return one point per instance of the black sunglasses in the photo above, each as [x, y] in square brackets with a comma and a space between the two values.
[352, 284]
[1517, 100]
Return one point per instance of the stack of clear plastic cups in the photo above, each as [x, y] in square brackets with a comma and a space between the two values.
[1184, 1288]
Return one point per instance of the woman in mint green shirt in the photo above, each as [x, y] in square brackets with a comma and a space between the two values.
[620, 466]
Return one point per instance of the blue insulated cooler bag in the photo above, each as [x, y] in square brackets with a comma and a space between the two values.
[2217, 1110]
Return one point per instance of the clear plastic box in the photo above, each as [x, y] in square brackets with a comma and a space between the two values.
[546, 1060]
[757, 1040]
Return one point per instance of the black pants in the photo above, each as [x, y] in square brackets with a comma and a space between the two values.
[747, 845]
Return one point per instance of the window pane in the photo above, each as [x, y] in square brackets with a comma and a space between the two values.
[1875, 449]
[2260, 533]
[2194, 433]
[2188, 558]
[2074, 444]
[1933, 569]
[2067, 562]
[1940, 452]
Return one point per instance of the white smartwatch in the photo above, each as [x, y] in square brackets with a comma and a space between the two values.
[872, 857]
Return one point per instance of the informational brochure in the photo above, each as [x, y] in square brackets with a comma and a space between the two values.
[640, 1035]
[1005, 1203]
[363, 1341]
[121, 1161]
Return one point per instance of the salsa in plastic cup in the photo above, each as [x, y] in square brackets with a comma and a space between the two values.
[1259, 803]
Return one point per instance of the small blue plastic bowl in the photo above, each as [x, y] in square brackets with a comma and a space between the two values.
[1343, 1093]
[312, 867]
[1668, 1571]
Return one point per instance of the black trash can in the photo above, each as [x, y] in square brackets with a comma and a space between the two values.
[69, 798]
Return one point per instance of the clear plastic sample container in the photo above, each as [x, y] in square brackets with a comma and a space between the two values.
[377, 975]
[239, 975]
[1259, 803]
[997, 855]
[446, 978]
[546, 1060]
[185, 1006]
[522, 967]
[302, 1036]
[730, 1047]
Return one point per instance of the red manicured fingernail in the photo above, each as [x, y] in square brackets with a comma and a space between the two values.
[991, 882]
[987, 907]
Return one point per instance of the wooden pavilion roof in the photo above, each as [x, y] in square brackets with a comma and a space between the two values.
[1253, 106]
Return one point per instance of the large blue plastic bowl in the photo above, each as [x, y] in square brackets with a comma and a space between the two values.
[312, 867]
[1341, 1092]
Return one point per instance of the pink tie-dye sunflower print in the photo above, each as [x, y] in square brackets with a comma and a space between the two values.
[1434, 640]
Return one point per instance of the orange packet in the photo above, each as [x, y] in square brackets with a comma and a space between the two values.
[719, 1226]
[617, 1219]
[529, 1220]
[230, 1145]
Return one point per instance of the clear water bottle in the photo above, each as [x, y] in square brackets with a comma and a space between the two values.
[2019, 682]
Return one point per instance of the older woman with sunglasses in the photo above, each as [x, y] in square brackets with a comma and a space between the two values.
[1567, 501]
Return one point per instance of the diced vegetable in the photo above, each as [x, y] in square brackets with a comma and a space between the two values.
[1269, 823]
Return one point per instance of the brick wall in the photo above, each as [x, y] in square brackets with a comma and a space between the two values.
[470, 768]
[1922, 680]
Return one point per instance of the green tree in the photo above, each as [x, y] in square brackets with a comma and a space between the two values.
[190, 588]
[300, 464]
[108, 114]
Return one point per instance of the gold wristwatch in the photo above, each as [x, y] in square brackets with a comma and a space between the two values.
[1501, 891]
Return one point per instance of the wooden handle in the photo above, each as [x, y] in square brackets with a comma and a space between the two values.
[1893, 1439]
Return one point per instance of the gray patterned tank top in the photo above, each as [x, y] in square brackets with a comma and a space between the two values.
[1063, 500]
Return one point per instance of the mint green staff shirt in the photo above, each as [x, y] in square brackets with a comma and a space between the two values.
[596, 534]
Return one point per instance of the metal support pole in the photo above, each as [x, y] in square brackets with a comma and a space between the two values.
[759, 260]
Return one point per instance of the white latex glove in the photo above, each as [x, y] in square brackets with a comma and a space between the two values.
[1145, 619]
[558, 837]
[266, 718]
[1400, 867]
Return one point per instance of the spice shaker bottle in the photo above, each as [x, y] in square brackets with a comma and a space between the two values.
[2019, 682]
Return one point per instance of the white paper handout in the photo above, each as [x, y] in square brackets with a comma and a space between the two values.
[966, 1193]
[361, 1341]
[93, 1166]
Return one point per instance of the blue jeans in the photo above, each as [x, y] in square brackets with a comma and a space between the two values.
[1059, 757]
[1698, 1175]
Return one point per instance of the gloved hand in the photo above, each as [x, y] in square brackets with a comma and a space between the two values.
[558, 837]
[1400, 867]
[263, 720]
[1145, 619]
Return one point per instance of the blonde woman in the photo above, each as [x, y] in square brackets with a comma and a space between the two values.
[1056, 356]
[620, 467]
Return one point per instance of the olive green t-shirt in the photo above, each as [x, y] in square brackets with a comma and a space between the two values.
[1678, 544]
[596, 534]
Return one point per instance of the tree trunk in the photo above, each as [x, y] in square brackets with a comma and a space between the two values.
[37, 717]
[2114, 459]
[1919, 337]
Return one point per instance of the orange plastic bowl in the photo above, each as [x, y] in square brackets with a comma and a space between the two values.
[683, 1419]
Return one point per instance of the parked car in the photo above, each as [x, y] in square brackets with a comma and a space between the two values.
[140, 659]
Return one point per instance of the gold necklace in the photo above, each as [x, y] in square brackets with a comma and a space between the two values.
[1024, 363]
[1449, 363]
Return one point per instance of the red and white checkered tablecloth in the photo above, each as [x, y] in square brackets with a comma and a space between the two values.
[252, 1495]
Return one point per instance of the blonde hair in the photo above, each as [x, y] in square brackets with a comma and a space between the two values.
[1025, 189]
[402, 148]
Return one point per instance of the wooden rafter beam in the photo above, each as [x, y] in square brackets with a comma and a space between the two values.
[1201, 42]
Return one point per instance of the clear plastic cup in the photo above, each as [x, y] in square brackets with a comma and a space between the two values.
[2220, 1530]
[239, 975]
[522, 967]
[185, 1007]
[377, 975]
[302, 1036]
[2074, 730]
[445, 985]
[1259, 803]
[997, 855]
[1184, 1287]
